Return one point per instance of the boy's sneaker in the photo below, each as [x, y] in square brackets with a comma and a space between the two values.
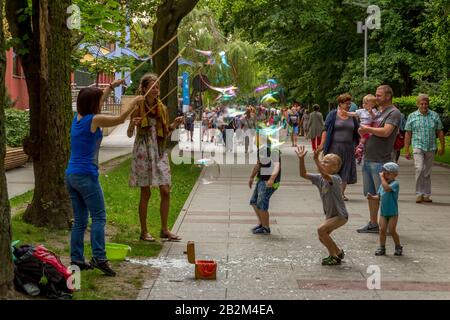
[398, 251]
[103, 266]
[381, 251]
[262, 230]
[369, 228]
[257, 227]
[341, 255]
[331, 261]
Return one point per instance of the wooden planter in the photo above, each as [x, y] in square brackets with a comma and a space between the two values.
[15, 157]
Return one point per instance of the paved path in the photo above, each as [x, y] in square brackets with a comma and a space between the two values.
[286, 264]
[117, 144]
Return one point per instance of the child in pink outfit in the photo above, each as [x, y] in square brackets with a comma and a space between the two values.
[367, 116]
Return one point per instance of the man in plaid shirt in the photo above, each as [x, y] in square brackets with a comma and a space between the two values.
[422, 127]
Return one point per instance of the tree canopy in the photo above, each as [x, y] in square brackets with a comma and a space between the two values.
[315, 50]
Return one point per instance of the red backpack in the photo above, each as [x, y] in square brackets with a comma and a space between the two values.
[33, 263]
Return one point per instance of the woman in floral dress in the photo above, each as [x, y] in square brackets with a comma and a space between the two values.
[150, 165]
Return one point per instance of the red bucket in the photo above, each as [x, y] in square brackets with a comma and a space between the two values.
[206, 268]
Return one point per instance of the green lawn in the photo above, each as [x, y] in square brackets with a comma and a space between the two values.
[446, 157]
[443, 159]
[122, 223]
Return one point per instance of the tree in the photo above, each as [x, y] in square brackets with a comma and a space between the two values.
[199, 30]
[313, 48]
[46, 58]
[169, 15]
[6, 269]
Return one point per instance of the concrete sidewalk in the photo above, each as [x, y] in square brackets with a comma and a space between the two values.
[287, 264]
[117, 144]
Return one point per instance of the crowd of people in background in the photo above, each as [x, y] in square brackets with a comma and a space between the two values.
[371, 136]
[293, 121]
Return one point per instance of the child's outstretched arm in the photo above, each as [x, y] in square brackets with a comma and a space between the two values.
[321, 169]
[350, 114]
[301, 153]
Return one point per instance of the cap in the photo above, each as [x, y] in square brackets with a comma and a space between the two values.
[391, 167]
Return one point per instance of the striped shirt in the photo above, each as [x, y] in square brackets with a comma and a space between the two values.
[424, 128]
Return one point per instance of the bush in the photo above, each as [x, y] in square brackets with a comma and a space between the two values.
[17, 127]
[7, 102]
[446, 122]
[408, 104]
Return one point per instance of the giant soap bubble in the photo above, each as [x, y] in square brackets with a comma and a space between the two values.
[209, 170]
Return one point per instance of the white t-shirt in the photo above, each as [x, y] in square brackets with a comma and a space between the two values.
[365, 118]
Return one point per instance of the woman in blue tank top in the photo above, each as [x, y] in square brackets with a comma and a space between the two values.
[82, 175]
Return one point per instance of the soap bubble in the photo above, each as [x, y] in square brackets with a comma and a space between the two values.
[209, 170]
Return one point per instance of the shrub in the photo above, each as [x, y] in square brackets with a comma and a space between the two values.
[408, 104]
[446, 122]
[17, 127]
[8, 103]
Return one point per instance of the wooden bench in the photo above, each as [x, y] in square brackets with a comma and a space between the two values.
[15, 157]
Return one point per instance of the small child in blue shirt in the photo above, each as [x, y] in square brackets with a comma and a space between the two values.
[388, 197]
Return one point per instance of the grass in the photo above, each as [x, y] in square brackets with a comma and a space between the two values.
[122, 206]
[24, 198]
[122, 227]
[444, 158]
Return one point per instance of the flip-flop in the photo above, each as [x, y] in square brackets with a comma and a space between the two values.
[147, 238]
[170, 238]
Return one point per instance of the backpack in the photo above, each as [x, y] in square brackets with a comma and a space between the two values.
[399, 142]
[41, 269]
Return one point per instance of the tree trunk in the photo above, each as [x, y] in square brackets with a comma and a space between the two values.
[169, 15]
[47, 70]
[6, 265]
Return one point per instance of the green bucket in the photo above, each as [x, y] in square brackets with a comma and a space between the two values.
[116, 251]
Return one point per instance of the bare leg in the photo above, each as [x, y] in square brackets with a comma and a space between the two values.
[143, 205]
[344, 186]
[392, 226]
[257, 214]
[324, 232]
[164, 192]
[264, 215]
[383, 230]
[336, 248]
[374, 205]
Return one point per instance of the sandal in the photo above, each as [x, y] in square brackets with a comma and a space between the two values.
[147, 238]
[169, 237]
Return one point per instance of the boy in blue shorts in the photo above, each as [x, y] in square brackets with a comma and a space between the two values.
[268, 176]
[388, 197]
